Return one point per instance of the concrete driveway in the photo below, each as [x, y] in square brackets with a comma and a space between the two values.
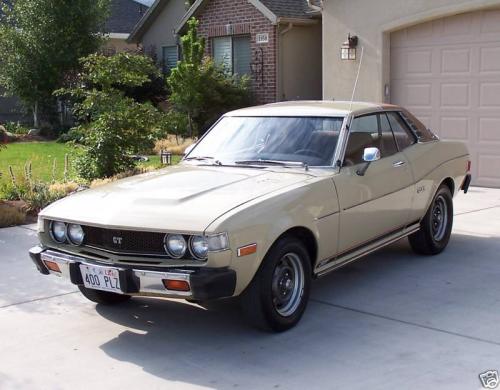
[392, 321]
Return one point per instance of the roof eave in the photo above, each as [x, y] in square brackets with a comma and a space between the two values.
[136, 34]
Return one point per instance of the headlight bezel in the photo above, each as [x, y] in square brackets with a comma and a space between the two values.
[52, 234]
[68, 234]
[169, 250]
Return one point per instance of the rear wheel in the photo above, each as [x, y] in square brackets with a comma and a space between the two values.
[277, 297]
[103, 297]
[435, 227]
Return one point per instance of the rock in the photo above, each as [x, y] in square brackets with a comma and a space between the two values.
[34, 132]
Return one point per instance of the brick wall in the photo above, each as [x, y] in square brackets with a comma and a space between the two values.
[238, 17]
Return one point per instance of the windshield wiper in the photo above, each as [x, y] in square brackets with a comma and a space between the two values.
[199, 158]
[203, 158]
[273, 162]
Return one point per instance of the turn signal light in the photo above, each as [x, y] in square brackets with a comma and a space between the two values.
[469, 164]
[52, 266]
[247, 250]
[176, 285]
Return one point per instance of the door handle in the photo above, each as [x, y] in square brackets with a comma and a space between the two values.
[397, 164]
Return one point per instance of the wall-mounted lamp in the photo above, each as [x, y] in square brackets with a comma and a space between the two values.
[348, 48]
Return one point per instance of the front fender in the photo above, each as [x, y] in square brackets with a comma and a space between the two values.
[312, 205]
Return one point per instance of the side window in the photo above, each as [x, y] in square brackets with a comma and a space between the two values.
[363, 133]
[402, 133]
[387, 142]
[422, 132]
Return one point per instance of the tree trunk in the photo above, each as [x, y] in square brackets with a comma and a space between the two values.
[35, 116]
[190, 123]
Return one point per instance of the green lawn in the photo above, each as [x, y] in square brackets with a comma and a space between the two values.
[42, 156]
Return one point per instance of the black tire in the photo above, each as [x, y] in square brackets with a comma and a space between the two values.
[103, 297]
[435, 227]
[271, 302]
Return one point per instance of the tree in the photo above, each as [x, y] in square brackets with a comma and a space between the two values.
[200, 89]
[114, 125]
[41, 41]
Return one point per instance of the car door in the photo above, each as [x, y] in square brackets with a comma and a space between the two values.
[376, 203]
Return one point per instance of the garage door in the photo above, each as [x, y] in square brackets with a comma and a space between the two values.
[447, 72]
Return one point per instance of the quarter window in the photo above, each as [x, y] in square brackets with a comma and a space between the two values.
[402, 133]
[233, 53]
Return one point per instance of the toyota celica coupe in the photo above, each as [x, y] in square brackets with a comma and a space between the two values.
[267, 200]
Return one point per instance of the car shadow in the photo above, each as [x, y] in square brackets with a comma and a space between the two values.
[212, 346]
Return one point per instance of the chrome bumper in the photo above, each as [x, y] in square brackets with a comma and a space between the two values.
[204, 284]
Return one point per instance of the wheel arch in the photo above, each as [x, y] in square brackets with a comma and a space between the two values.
[307, 237]
[450, 183]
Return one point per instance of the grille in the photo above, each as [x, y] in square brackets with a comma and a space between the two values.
[125, 241]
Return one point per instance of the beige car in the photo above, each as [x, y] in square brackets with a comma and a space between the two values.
[269, 199]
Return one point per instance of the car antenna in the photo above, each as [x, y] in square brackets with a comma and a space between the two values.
[357, 77]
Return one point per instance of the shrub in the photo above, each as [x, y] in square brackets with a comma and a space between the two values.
[16, 128]
[36, 194]
[73, 135]
[11, 215]
[201, 90]
[114, 126]
[174, 144]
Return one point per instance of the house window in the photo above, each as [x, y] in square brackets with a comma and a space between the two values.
[233, 53]
[170, 57]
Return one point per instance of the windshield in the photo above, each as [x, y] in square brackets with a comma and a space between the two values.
[270, 140]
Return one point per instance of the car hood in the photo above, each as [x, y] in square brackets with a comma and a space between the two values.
[184, 198]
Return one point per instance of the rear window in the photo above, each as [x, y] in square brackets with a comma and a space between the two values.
[423, 133]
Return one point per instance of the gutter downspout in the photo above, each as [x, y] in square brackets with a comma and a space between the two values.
[281, 49]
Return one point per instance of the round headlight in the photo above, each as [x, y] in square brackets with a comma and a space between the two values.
[199, 247]
[75, 234]
[58, 230]
[175, 245]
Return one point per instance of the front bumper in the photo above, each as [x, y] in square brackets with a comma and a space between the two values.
[205, 283]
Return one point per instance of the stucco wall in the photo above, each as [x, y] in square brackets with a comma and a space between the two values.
[160, 33]
[372, 22]
[300, 62]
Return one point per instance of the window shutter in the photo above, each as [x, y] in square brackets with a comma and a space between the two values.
[222, 52]
[170, 58]
[242, 55]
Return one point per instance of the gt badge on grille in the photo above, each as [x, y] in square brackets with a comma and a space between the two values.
[117, 240]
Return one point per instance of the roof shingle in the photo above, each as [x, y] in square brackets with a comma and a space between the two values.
[288, 8]
[124, 14]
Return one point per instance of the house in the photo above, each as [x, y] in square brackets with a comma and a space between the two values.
[155, 32]
[277, 43]
[438, 58]
[124, 15]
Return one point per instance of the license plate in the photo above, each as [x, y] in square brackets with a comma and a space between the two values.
[101, 278]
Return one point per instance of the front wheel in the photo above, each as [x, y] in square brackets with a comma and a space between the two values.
[277, 297]
[435, 227]
[103, 297]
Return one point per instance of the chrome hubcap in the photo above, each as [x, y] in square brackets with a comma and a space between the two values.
[439, 218]
[288, 284]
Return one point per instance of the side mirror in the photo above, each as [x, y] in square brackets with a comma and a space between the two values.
[371, 155]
